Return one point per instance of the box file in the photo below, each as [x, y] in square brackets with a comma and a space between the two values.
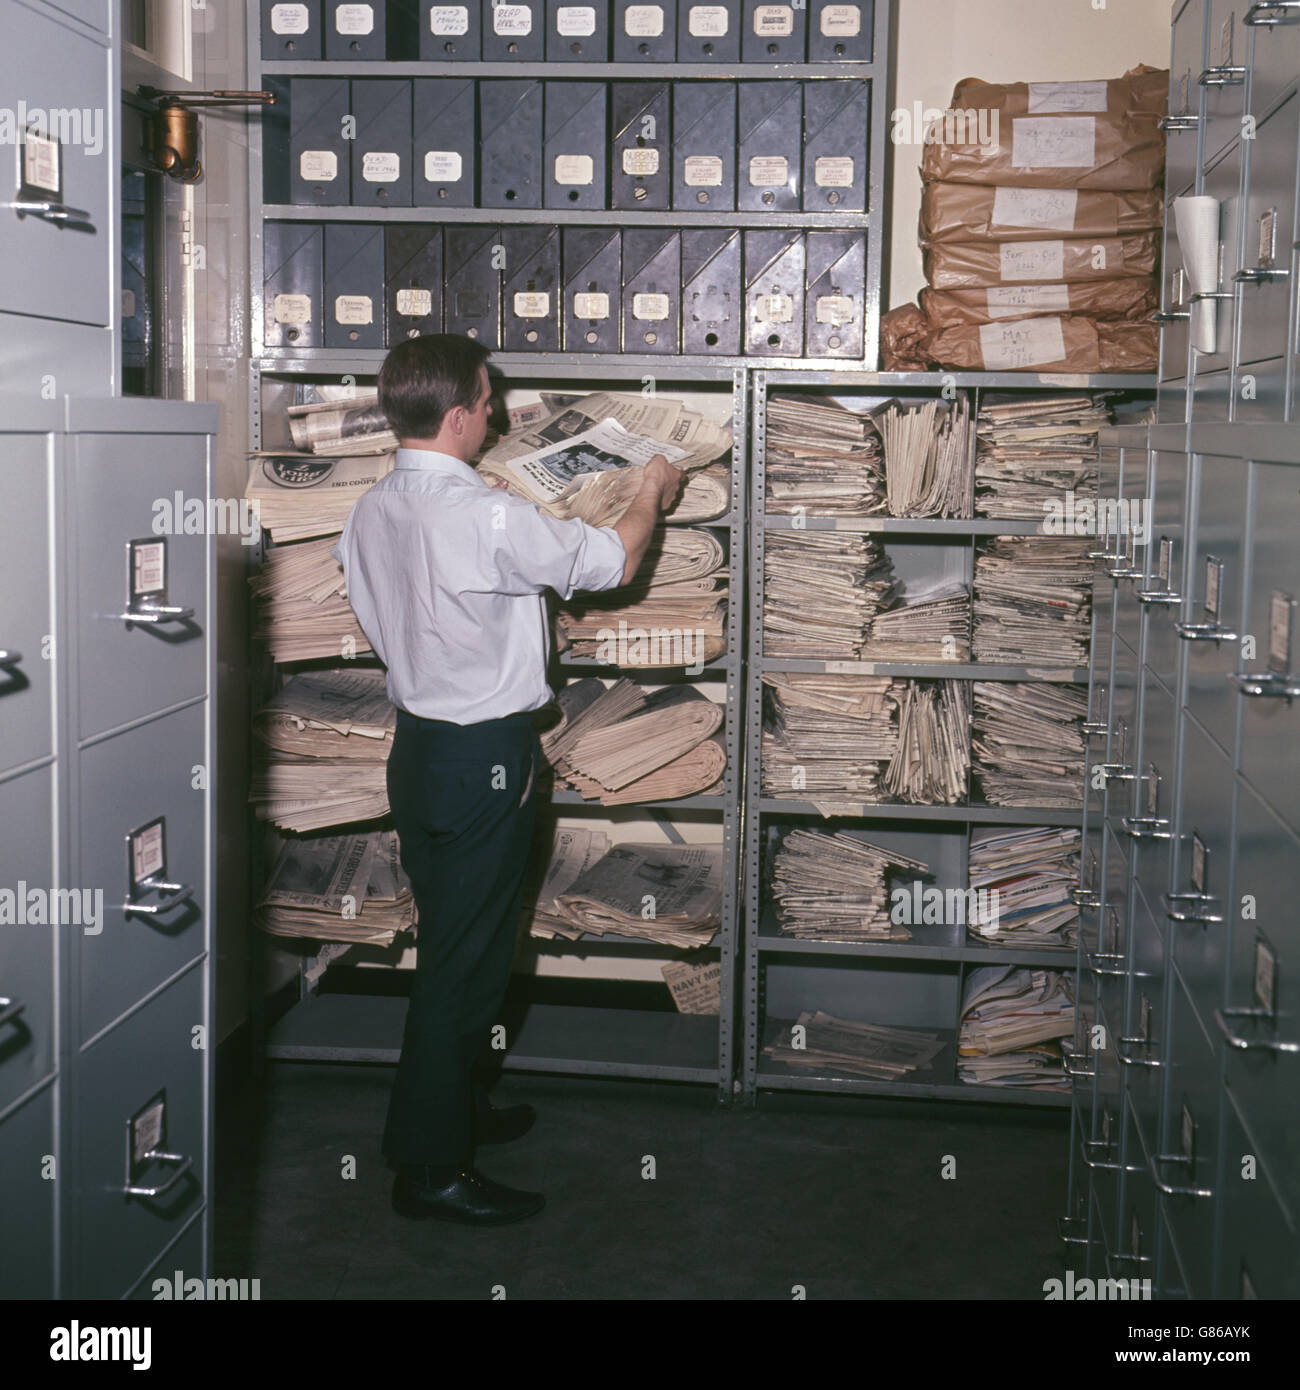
[774, 293]
[640, 118]
[708, 31]
[291, 30]
[774, 32]
[530, 304]
[770, 127]
[412, 282]
[835, 301]
[471, 300]
[356, 30]
[577, 31]
[652, 265]
[450, 33]
[840, 31]
[712, 301]
[319, 156]
[354, 285]
[443, 152]
[381, 149]
[644, 31]
[592, 266]
[514, 31]
[293, 269]
[510, 144]
[704, 145]
[836, 117]
[575, 142]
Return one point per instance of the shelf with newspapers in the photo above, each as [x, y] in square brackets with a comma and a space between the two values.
[643, 746]
[919, 625]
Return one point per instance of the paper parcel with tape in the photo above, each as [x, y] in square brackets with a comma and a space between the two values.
[1063, 344]
[972, 212]
[971, 265]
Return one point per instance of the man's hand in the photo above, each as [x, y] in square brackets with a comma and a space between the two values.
[664, 480]
[660, 484]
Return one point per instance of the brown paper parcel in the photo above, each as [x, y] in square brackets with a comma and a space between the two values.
[974, 265]
[1073, 344]
[1098, 299]
[971, 212]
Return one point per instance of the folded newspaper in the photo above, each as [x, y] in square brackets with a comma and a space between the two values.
[302, 611]
[819, 1041]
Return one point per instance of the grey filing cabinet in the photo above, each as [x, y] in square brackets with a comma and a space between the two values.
[1185, 1164]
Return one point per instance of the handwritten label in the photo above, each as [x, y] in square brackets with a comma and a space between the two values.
[449, 21]
[575, 21]
[841, 22]
[1011, 347]
[1032, 260]
[289, 19]
[512, 21]
[651, 308]
[1051, 209]
[318, 166]
[292, 308]
[532, 304]
[1066, 96]
[833, 171]
[354, 308]
[443, 166]
[773, 21]
[768, 170]
[574, 169]
[1014, 301]
[706, 21]
[380, 167]
[643, 21]
[354, 19]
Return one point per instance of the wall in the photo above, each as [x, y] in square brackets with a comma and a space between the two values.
[941, 41]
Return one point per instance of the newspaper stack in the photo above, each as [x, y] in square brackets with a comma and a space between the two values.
[705, 496]
[1012, 1020]
[1033, 602]
[831, 887]
[928, 464]
[822, 458]
[828, 739]
[822, 590]
[302, 606]
[586, 459]
[932, 764]
[1031, 452]
[672, 614]
[573, 851]
[338, 888]
[351, 425]
[1031, 873]
[669, 894]
[932, 623]
[298, 496]
[1028, 743]
[625, 745]
[860, 1049]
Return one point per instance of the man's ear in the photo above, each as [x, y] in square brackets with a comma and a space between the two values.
[456, 419]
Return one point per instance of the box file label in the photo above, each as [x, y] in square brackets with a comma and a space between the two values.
[1053, 209]
[354, 19]
[773, 21]
[289, 19]
[443, 166]
[575, 169]
[841, 21]
[417, 304]
[774, 308]
[643, 21]
[1032, 260]
[651, 308]
[641, 163]
[707, 21]
[703, 171]
[575, 21]
[532, 304]
[381, 166]
[449, 20]
[354, 308]
[768, 170]
[835, 309]
[292, 308]
[592, 306]
[318, 166]
[833, 171]
[512, 20]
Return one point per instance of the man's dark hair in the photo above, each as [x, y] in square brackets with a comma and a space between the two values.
[424, 378]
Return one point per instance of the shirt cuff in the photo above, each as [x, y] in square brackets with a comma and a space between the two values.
[601, 564]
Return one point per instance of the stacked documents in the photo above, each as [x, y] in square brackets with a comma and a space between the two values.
[1028, 875]
[822, 590]
[1012, 1020]
[626, 744]
[705, 496]
[931, 622]
[822, 458]
[828, 739]
[1032, 451]
[297, 496]
[928, 462]
[932, 764]
[350, 425]
[871, 1050]
[1033, 602]
[573, 851]
[302, 606]
[338, 888]
[831, 887]
[1027, 742]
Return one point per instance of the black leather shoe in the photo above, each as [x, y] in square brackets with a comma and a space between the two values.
[469, 1198]
[501, 1126]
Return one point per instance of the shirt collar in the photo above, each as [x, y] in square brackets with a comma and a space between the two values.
[436, 462]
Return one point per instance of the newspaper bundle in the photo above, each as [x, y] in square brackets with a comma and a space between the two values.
[822, 458]
[821, 1042]
[349, 425]
[831, 886]
[1027, 742]
[1012, 1021]
[928, 462]
[822, 589]
[1031, 871]
[929, 622]
[1033, 601]
[338, 888]
[573, 851]
[932, 764]
[298, 496]
[1031, 452]
[302, 606]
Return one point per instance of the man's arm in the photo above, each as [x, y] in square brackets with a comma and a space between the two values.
[660, 486]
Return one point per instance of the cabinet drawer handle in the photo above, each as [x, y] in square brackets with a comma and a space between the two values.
[176, 894]
[1269, 684]
[1204, 632]
[10, 1009]
[1168, 1189]
[1234, 1039]
[1270, 13]
[1225, 75]
[186, 1165]
[168, 614]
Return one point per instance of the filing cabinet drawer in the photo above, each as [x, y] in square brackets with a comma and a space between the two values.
[1175, 297]
[152, 1053]
[1151, 826]
[1269, 234]
[1144, 1046]
[133, 670]
[1186, 95]
[1274, 56]
[1225, 75]
[27, 1145]
[1108, 959]
[1122, 749]
[1167, 551]
[186, 1256]
[1259, 1227]
[26, 617]
[1133, 1255]
[127, 782]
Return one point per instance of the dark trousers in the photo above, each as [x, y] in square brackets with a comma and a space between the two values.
[463, 804]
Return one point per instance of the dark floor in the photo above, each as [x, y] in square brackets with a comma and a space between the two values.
[841, 1195]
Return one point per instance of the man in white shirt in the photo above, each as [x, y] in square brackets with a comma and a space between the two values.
[446, 576]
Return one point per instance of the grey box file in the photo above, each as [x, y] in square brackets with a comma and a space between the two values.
[840, 31]
[713, 301]
[356, 30]
[774, 293]
[472, 283]
[770, 130]
[381, 151]
[652, 264]
[774, 33]
[510, 144]
[530, 301]
[577, 31]
[293, 254]
[444, 144]
[514, 31]
[291, 30]
[708, 31]
[641, 145]
[643, 31]
[319, 155]
[836, 120]
[450, 33]
[835, 302]
[412, 282]
[704, 145]
[593, 286]
[574, 149]
[354, 285]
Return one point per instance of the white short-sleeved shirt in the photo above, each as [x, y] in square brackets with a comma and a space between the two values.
[446, 573]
